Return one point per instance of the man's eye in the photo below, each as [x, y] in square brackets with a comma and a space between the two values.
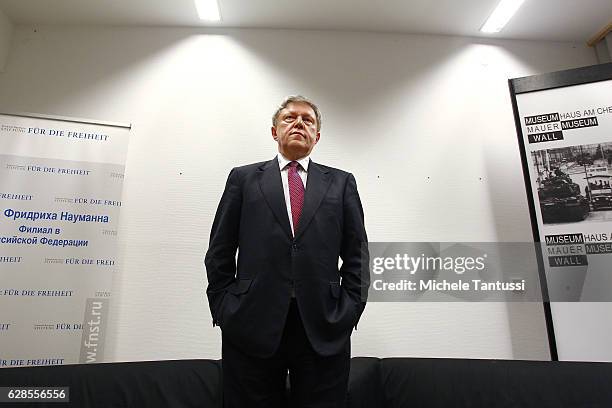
[289, 119]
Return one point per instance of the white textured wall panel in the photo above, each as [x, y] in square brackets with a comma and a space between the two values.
[6, 34]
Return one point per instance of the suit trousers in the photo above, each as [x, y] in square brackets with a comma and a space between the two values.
[314, 380]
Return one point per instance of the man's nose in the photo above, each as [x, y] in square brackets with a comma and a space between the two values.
[299, 121]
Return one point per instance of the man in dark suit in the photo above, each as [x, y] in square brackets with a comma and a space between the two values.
[284, 304]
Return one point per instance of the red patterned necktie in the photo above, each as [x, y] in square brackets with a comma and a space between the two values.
[296, 194]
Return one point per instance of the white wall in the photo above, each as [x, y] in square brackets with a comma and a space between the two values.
[424, 123]
[6, 34]
[602, 51]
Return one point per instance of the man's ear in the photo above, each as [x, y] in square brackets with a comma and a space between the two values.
[274, 135]
[318, 137]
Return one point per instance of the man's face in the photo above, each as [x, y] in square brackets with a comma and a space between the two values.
[296, 130]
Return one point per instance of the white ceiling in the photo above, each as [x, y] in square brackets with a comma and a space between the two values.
[556, 20]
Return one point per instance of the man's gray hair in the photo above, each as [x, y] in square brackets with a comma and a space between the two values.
[297, 99]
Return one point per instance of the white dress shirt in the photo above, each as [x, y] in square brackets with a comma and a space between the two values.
[302, 169]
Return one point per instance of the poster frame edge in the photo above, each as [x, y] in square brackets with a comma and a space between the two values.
[68, 119]
[550, 329]
[562, 79]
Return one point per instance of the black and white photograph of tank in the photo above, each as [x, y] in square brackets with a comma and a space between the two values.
[574, 183]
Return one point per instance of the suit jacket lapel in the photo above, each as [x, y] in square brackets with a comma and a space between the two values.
[316, 187]
[271, 187]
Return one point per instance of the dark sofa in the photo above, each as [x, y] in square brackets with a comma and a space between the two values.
[374, 383]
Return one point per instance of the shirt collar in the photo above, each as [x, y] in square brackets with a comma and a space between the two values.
[283, 162]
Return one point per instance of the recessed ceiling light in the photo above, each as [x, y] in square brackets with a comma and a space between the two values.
[208, 10]
[501, 15]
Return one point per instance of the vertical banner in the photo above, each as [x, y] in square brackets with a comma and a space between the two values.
[60, 196]
[564, 124]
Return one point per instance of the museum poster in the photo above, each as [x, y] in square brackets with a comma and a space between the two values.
[60, 198]
[567, 135]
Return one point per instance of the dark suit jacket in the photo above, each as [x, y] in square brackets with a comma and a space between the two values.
[249, 299]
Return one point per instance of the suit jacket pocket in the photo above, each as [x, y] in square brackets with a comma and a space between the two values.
[240, 286]
[334, 288]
